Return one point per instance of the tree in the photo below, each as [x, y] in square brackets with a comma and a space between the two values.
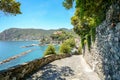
[50, 50]
[70, 42]
[88, 15]
[10, 6]
[68, 3]
[67, 46]
[64, 48]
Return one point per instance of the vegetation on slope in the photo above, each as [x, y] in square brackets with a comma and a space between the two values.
[27, 34]
[67, 46]
[50, 50]
[62, 35]
[88, 15]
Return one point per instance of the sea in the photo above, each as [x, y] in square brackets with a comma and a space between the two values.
[11, 48]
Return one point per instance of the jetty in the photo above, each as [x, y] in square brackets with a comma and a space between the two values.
[16, 56]
[30, 45]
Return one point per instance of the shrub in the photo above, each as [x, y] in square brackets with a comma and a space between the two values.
[50, 50]
[70, 42]
[65, 48]
[67, 45]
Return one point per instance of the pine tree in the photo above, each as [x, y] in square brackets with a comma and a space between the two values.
[10, 6]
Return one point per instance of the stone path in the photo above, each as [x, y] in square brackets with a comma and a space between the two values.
[72, 68]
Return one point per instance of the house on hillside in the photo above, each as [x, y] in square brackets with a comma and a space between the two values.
[57, 32]
[55, 37]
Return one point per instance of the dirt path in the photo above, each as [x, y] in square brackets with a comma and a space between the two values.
[72, 68]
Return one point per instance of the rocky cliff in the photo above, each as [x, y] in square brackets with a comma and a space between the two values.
[104, 56]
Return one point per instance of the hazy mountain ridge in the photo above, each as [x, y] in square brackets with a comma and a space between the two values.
[14, 34]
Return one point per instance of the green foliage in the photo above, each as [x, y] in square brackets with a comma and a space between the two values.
[88, 40]
[67, 45]
[65, 48]
[93, 32]
[82, 42]
[10, 6]
[70, 42]
[68, 3]
[88, 15]
[50, 50]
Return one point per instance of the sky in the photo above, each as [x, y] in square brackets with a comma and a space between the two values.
[39, 14]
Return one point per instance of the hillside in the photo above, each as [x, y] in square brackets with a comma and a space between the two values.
[14, 34]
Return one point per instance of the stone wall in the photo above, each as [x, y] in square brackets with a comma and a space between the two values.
[20, 71]
[104, 57]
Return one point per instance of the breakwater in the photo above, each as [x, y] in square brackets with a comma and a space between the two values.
[16, 56]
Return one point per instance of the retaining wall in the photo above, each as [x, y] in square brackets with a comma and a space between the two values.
[20, 71]
[104, 57]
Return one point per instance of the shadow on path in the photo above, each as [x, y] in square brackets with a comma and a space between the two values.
[52, 72]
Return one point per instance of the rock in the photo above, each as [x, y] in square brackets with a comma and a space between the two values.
[116, 39]
[116, 57]
[14, 78]
[107, 46]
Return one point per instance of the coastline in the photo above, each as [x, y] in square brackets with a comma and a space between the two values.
[22, 46]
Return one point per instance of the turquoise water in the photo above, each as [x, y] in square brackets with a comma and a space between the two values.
[12, 48]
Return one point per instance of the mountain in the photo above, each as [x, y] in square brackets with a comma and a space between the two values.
[14, 34]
